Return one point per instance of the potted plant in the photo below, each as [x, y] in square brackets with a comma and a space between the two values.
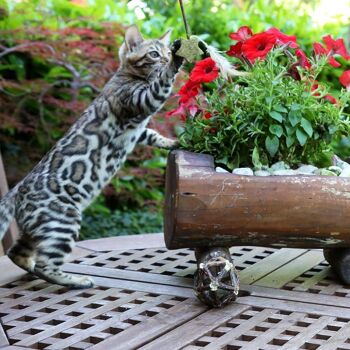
[276, 119]
[277, 111]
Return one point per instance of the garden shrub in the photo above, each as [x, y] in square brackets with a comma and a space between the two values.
[48, 79]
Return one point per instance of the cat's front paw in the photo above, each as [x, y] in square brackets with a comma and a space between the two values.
[178, 60]
[175, 46]
[171, 144]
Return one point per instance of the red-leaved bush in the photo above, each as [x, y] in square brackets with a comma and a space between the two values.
[47, 78]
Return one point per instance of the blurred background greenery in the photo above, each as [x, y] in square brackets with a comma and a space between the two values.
[56, 55]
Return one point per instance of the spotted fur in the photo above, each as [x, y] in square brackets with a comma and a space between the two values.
[49, 201]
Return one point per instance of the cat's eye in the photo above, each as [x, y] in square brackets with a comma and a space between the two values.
[154, 54]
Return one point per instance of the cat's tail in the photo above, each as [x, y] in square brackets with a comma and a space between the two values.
[7, 212]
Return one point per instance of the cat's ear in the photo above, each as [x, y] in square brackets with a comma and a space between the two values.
[165, 38]
[133, 37]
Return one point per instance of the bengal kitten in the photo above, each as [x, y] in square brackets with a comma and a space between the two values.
[49, 201]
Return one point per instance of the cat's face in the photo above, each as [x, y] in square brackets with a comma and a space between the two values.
[144, 58]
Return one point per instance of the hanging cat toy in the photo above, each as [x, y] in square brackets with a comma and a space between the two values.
[193, 47]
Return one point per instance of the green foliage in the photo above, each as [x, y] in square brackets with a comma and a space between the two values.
[57, 14]
[118, 223]
[341, 146]
[218, 18]
[140, 182]
[268, 116]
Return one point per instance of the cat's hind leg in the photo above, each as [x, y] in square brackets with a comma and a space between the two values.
[57, 241]
[22, 253]
[50, 272]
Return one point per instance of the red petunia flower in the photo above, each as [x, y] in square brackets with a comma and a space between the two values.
[258, 46]
[282, 38]
[345, 79]
[337, 46]
[242, 34]
[193, 109]
[314, 87]
[293, 71]
[331, 99]
[302, 59]
[333, 62]
[204, 71]
[235, 50]
[319, 49]
[188, 91]
[303, 62]
[184, 108]
[322, 51]
[180, 111]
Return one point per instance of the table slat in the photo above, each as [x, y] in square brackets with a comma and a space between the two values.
[142, 333]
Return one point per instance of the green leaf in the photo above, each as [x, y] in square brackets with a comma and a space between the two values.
[306, 125]
[295, 107]
[290, 130]
[332, 129]
[236, 161]
[222, 160]
[268, 99]
[256, 158]
[280, 108]
[272, 144]
[276, 129]
[19, 66]
[179, 129]
[290, 141]
[294, 117]
[301, 136]
[277, 116]
[127, 178]
[58, 72]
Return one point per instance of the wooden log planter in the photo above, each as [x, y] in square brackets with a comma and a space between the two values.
[212, 211]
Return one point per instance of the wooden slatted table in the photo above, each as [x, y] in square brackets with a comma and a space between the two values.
[143, 300]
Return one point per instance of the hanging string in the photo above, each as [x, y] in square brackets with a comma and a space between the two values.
[188, 34]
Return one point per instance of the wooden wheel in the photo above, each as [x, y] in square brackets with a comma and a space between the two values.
[216, 281]
[339, 259]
